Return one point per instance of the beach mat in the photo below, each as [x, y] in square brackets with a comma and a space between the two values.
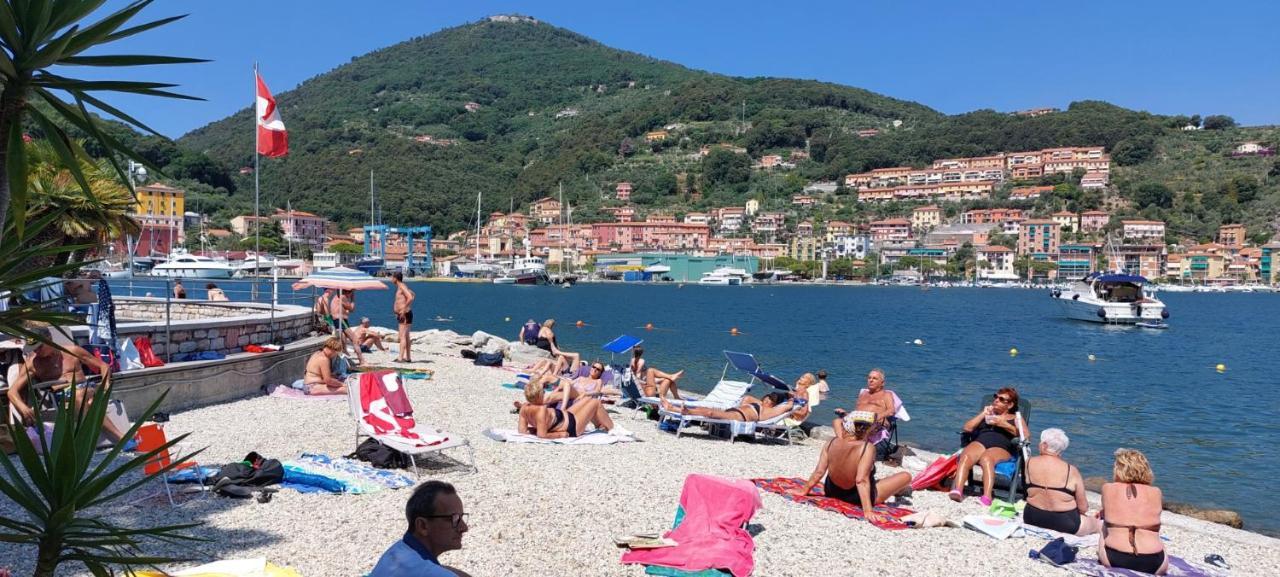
[1178, 567]
[283, 392]
[1085, 541]
[883, 516]
[596, 437]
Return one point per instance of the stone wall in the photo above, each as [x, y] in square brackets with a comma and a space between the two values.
[199, 326]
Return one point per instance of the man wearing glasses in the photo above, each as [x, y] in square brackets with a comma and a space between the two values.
[436, 524]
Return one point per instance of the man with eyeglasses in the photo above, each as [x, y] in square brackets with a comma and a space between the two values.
[436, 524]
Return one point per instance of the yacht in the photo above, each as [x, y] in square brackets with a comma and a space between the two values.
[182, 264]
[723, 276]
[255, 264]
[527, 270]
[1112, 298]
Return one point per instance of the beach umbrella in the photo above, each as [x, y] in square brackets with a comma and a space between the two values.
[341, 278]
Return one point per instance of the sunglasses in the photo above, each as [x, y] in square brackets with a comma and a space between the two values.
[457, 519]
[597, 368]
[1005, 400]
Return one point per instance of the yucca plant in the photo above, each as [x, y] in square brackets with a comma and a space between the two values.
[61, 489]
[37, 35]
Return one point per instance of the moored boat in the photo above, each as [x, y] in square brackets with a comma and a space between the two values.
[1111, 298]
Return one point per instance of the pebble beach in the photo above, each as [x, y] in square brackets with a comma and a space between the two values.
[554, 510]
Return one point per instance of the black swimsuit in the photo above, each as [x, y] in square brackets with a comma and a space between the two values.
[755, 406]
[1145, 562]
[1061, 521]
[572, 427]
[993, 437]
[850, 495]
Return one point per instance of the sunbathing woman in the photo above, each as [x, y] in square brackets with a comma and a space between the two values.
[550, 422]
[847, 467]
[653, 383]
[547, 342]
[318, 378]
[1055, 490]
[1131, 508]
[591, 386]
[993, 431]
[749, 409]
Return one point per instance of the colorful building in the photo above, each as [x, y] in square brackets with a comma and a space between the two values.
[1142, 230]
[1093, 220]
[890, 229]
[1066, 220]
[1075, 260]
[1039, 237]
[1269, 263]
[1000, 261]
[926, 217]
[1232, 236]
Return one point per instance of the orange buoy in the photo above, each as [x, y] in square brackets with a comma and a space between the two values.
[648, 326]
[734, 331]
[580, 324]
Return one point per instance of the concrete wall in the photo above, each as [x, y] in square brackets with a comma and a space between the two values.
[200, 383]
[198, 326]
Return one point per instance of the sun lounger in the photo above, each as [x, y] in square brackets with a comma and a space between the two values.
[734, 428]
[730, 397]
[410, 437]
[597, 437]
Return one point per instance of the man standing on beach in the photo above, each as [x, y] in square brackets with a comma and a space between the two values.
[403, 308]
[436, 524]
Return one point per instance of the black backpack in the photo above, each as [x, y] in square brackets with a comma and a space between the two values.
[380, 455]
[489, 359]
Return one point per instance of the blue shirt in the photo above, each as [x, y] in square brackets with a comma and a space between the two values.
[409, 558]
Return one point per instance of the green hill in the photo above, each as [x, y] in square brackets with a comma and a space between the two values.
[556, 107]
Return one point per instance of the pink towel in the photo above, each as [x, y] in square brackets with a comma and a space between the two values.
[377, 410]
[711, 536]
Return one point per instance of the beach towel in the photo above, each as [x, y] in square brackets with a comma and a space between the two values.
[596, 437]
[711, 533]
[378, 414]
[415, 375]
[392, 388]
[1081, 541]
[882, 516]
[319, 472]
[283, 392]
[229, 568]
[1178, 567]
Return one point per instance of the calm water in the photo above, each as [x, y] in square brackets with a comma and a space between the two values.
[1211, 436]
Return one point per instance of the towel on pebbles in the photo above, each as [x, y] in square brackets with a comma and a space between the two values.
[1178, 567]
[596, 437]
[882, 516]
[283, 392]
[1049, 534]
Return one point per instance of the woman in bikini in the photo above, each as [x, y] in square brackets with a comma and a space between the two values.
[653, 383]
[847, 467]
[547, 342]
[547, 421]
[1130, 512]
[993, 431]
[1055, 490]
[750, 408]
[318, 379]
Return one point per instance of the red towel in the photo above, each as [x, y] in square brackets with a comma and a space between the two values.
[376, 403]
[711, 536]
[882, 516]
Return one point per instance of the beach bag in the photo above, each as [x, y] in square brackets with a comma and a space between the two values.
[105, 355]
[380, 455]
[1057, 552]
[255, 471]
[130, 359]
[489, 359]
[146, 353]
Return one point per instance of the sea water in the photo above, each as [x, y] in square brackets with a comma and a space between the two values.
[1211, 436]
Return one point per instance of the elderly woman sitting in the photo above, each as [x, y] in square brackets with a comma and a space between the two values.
[1131, 508]
[993, 431]
[1055, 490]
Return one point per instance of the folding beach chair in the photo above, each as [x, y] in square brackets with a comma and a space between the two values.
[417, 441]
[730, 396]
[151, 437]
[1011, 474]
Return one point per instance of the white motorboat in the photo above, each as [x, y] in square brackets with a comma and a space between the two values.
[182, 264]
[1112, 298]
[324, 260]
[505, 279]
[255, 264]
[723, 276]
[528, 270]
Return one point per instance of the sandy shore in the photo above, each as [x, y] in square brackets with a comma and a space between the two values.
[551, 510]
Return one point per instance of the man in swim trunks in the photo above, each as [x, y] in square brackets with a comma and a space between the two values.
[873, 399]
[43, 362]
[403, 308]
[366, 338]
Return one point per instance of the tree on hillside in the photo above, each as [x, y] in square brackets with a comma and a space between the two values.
[1195, 120]
[1136, 150]
[1275, 169]
[726, 167]
[626, 148]
[1218, 122]
[1153, 194]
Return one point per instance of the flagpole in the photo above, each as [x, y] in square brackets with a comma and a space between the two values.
[257, 223]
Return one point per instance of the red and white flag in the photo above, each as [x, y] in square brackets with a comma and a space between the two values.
[273, 140]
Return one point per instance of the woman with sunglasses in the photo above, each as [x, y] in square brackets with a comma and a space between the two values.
[992, 432]
[847, 467]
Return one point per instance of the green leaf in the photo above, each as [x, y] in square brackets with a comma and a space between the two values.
[95, 34]
[128, 60]
[127, 32]
[74, 12]
[115, 112]
[62, 145]
[52, 52]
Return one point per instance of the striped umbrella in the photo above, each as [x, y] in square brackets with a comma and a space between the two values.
[341, 278]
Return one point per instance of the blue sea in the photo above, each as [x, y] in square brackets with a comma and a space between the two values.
[1211, 436]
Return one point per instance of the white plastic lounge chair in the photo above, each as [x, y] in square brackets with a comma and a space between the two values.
[734, 428]
[724, 401]
[413, 449]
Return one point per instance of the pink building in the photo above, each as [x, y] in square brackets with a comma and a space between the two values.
[1095, 180]
[630, 236]
[302, 227]
[623, 191]
[1093, 220]
[991, 215]
[1143, 229]
[891, 229]
[803, 200]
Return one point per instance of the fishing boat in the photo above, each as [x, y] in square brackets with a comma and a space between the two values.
[723, 276]
[182, 264]
[1111, 298]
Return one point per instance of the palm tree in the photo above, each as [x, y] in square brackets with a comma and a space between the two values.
[89, 217]
[38, 35]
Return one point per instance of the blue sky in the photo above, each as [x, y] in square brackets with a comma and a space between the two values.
[1170, 57]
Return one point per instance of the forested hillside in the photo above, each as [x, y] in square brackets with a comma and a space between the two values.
[551, 106]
